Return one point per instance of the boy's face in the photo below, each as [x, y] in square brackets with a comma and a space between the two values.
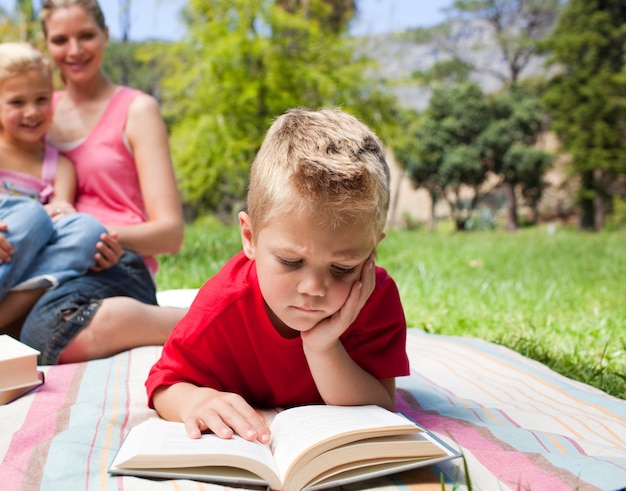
[25, 107]
[305, 270]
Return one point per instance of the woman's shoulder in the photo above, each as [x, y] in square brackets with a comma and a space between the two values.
[142, 106]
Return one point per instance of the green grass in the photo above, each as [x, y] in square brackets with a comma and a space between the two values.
[560, 299]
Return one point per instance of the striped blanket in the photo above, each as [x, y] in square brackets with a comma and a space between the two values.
[518, 425]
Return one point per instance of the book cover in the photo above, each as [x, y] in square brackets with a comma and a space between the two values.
[18, 369]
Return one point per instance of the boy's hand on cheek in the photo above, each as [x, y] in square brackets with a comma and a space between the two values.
[225, 414]
[327, 332]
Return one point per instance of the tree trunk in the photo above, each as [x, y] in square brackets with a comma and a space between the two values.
[512, 206]
[433, 202]
[587, 208]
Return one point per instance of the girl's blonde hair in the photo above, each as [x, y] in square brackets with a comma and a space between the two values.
[326, 164]
[18, 58]
[91, 6]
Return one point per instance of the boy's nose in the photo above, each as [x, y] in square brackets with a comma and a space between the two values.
[312, 284]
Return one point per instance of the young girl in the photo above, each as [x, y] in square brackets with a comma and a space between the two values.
[43, 241]
[118, 142]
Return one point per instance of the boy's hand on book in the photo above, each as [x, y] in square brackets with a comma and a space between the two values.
[225, 414]
[327, 332]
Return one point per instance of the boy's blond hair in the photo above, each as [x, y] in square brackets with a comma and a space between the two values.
[323, 163]
[18, 58]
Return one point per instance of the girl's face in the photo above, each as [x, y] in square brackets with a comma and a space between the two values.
[25, 107]
[76, 43]
[305, 270]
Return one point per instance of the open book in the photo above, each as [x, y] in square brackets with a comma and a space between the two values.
[312, 447]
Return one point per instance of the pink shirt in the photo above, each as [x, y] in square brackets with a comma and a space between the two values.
[108, 184]
[17, 183]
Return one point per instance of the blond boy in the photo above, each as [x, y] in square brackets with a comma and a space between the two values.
[301, 315]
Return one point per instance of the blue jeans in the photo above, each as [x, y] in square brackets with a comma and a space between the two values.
[61, 313]
[47, 252]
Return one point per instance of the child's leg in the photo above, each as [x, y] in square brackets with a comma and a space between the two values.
[69, 253]
[29, 228]
[117, 309]
[13, 309]
[121, 323]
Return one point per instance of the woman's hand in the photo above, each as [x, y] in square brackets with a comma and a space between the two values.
[57, 209]
[109, 252]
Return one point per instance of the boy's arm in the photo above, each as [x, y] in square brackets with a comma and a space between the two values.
[339, 379]
[204, 408]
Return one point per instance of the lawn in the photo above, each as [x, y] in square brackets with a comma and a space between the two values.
[559, 298]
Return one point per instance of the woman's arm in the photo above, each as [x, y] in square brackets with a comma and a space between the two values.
[62, 202]
[162, 233]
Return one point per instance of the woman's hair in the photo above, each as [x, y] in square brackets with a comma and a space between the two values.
[91, 6]
[323, 163]
[18, 58]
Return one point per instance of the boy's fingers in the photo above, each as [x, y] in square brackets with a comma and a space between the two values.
[193, 429]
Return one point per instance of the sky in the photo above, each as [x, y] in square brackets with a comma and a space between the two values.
[160, 19]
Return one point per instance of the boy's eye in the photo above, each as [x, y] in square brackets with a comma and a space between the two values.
[288, 263]
[338, 270]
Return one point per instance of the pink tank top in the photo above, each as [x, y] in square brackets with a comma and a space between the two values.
[108, 184]
[21, 184]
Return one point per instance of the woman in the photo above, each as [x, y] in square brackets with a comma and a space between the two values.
[118, 142]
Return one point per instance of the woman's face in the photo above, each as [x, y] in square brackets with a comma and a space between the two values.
[76, 43]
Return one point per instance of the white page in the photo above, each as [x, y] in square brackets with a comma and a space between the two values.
[295, 430]
[160, 438]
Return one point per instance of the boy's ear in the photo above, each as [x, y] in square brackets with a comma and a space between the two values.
[247, 240]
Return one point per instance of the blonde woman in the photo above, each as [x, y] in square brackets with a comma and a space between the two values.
[118, 142]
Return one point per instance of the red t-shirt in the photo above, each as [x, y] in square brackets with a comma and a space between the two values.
[227, 342]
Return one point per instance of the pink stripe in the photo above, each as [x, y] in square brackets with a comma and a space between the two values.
[97, 425]
[39, 426]
[511, 467]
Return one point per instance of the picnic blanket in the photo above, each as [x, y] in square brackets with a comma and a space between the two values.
[519, 425]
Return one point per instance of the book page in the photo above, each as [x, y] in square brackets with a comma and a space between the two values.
[297, 430]
[157, 443]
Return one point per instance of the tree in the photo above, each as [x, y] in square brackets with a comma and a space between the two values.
[244, 63]
[585, 99]
[506, 30]
[21, 24]
[506, 146]
[513, 27]
[442, 155]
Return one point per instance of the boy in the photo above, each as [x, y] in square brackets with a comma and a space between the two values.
[301, 315]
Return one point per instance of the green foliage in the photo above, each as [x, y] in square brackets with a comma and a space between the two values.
[440, 153]
[243, 64]
[21, 24]
[463, 135]
[585, 98]
[136, 65]
[557, 297]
